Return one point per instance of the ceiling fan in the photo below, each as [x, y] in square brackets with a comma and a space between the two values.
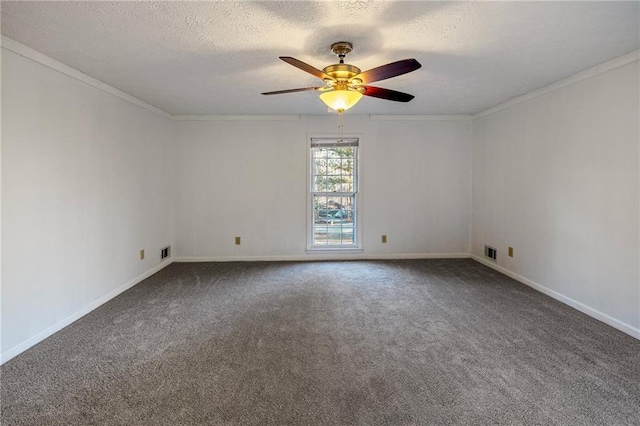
[344, 84]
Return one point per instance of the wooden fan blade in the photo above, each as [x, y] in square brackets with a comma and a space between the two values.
[393, 69]
[303, 89]
[390, 95]
[305, 67]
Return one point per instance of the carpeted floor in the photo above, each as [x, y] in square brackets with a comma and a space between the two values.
[429, 342]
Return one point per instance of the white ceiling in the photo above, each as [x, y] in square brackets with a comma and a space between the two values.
[200, 58]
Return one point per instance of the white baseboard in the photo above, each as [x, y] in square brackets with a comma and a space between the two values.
[619, 325]
[16, 350]
[322, 256]
[21, 347]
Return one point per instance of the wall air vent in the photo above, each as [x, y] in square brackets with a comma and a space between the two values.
[165, 252]
[490, 252]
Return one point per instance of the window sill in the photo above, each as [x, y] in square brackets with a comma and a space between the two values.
[334, 250]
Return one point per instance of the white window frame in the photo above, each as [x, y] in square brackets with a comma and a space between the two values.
[357, 245]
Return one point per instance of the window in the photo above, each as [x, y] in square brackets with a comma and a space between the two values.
[334, 189]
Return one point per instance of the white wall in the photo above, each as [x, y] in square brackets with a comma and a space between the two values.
[85, 186]
[249, 179]
[87, 182]
[556, 177]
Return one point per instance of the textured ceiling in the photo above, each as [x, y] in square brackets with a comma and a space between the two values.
[217, 57]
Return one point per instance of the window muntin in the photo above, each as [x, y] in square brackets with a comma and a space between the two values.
[333, 193]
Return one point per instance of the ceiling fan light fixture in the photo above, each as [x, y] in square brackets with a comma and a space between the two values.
[341, 100]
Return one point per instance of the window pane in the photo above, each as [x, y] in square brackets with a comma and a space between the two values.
[333, 220]
[333, 169]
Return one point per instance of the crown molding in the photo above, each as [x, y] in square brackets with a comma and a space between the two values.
[297, 117]
[419, 117]
[34, 55]
[51, 63]
[575, 78]
[235, 117]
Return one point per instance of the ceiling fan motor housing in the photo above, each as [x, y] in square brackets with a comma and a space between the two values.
[341, 71]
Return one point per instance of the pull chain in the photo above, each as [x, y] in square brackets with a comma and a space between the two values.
[340, 126]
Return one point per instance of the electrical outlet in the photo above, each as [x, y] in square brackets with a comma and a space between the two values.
[141, 254]
[237, 241]
[510, 251]
[384, 239]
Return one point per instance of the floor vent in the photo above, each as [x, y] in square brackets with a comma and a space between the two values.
[165, 252]
[490, 252]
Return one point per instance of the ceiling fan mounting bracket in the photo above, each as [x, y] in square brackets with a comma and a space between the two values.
[341, 48]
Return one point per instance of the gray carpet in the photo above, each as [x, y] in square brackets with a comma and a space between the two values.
[430, 342]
